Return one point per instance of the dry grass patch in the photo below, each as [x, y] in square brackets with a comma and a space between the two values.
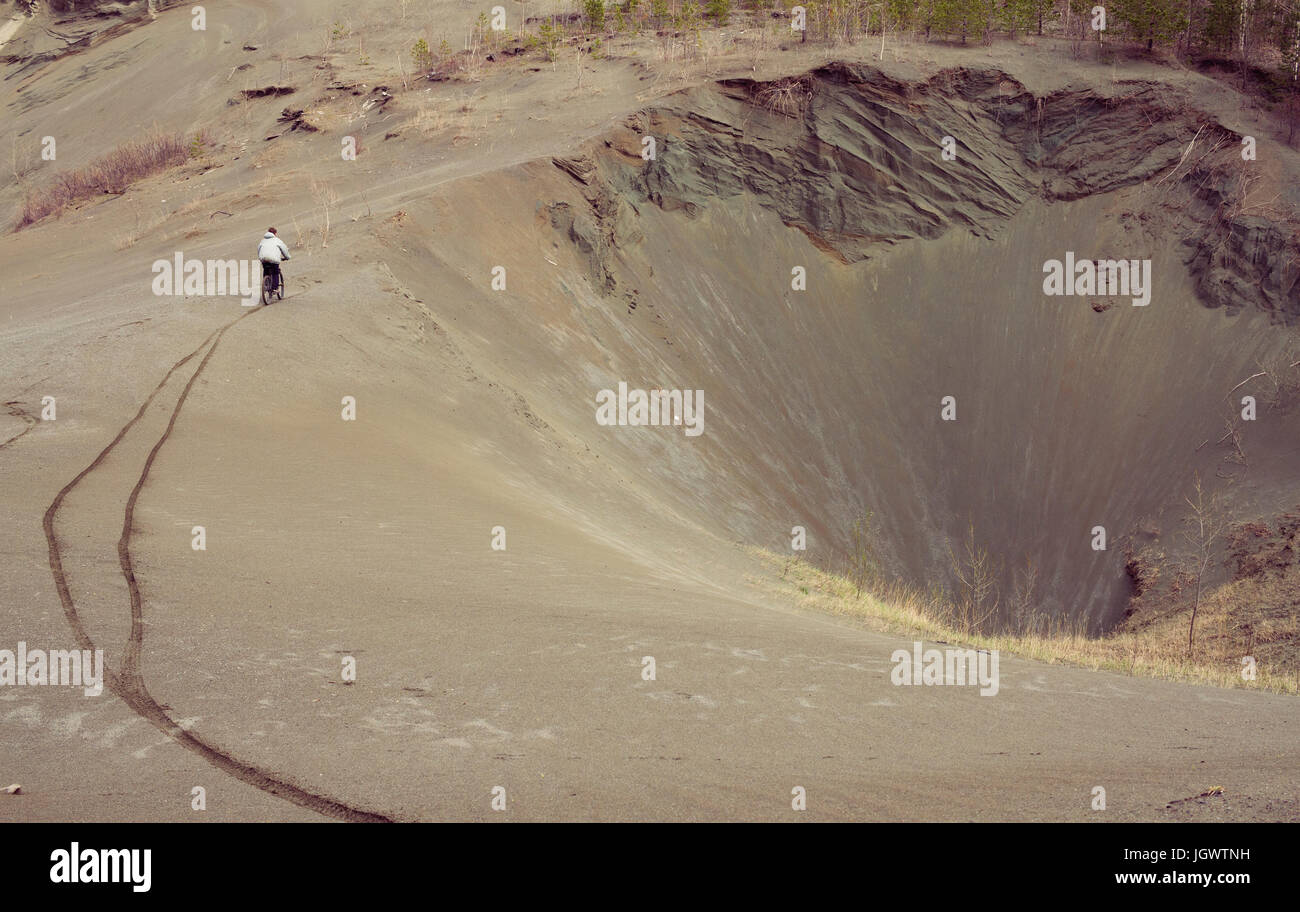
[1231, 624]
[112, 173]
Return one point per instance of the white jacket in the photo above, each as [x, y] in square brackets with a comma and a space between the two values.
[271, 249]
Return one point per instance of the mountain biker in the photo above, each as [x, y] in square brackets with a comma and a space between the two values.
[272, 252]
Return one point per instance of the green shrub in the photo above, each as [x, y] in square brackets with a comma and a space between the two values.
[690, 19]
[550, 38]
[421, 56]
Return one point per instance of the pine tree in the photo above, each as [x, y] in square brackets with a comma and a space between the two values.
[1149, 20]
[1017, 16]
[1219, 20]
[1043, 11]
[903, 14]
[959, 17]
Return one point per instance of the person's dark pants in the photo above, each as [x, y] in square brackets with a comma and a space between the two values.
[271, 269]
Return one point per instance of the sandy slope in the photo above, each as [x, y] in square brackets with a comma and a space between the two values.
[370, 539]
[9, 29]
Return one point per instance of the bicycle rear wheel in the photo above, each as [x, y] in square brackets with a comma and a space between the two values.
[268, 283]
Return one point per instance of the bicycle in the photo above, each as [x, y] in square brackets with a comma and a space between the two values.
[271, 287]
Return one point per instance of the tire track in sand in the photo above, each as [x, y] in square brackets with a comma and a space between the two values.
[16, 410]
[127, 683]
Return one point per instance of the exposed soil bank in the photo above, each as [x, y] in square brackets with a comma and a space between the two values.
[852, 157]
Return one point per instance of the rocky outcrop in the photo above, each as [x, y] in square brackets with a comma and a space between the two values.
[63, 27]
[856, 160]
[1246, 260]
